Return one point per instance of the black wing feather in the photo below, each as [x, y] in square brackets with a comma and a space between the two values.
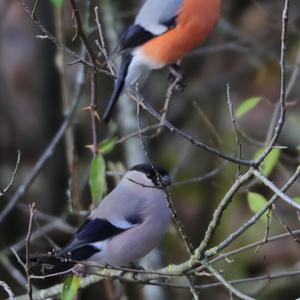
[91, 231]
[136, 35]
[97, 230]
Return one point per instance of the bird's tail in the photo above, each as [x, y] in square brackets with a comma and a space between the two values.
[119, 85]
[51, 265]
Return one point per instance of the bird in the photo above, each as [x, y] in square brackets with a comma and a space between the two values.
[163, 32]
[128, 223]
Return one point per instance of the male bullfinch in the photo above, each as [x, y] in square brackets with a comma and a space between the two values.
[128, 223]
[164, 31]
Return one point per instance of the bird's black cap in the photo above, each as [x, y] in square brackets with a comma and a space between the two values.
[157, 174]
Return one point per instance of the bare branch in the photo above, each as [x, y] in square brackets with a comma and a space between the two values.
[218, 213]
[226, 283]
[32, 211]
[275, 189]
[254, 219]
[34, 8]
[198, 144]
[80, 32]
[7, 289]
[282, 100]
[9, 186]
[233, 121]
[51, 37]
[49, 150]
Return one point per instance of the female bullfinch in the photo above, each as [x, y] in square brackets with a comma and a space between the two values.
[128, 223]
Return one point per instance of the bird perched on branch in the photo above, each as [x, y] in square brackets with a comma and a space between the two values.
[164, 31]
[128, 223]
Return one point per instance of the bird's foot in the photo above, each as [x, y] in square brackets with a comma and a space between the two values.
[176, 76]
[136, 266]
[133, 268]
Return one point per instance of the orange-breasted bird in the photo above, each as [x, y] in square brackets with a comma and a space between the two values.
[164, 31]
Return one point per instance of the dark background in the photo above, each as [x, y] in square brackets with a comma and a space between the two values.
[245, 55]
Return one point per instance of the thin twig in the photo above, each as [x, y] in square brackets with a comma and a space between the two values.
[226, 283]
[193, 290]
[51, 37]
[233, 121]
[178, 223]
[89, 280]
[32, 211]
[204, 177]
[7, 289]
[93, 57]
[275, 189]
[12, 180]
[208, 123]
[94, 114]
[218, 213]
[80, 32]
[49, 149]
[168, 97]
[262, 242]
[233, 236]
[198, 144]
[137, 133]
[282, 101]
[12, 270]
[102, 45]
[282, 222]
[34, 8]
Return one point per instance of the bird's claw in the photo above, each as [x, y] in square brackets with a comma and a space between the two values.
[136, 266]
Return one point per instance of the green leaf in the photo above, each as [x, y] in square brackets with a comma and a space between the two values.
[256, 202]
[70, 288]
[97, 179]
[297, 199]
[246, 106]
[270, 162]
[107, 145]
[57, 3]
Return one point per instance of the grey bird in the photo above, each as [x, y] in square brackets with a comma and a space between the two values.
[128, 223]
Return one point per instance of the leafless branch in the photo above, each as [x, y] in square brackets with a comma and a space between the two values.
[34, 8]
[282, 101]
[237, 139]
[275, 189]
[80, 32]
[233, 236]
[27, 247]
[50, 36]
[49, 150]
[10, 184]
[7, 289]
[226, 283]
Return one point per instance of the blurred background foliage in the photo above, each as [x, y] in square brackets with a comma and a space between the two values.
[244, 51]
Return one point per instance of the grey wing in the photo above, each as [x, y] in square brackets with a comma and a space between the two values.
[155, 15]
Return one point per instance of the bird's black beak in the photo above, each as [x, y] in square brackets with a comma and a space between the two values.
[165, 180]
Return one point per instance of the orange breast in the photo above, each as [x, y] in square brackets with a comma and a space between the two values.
[197, 18]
